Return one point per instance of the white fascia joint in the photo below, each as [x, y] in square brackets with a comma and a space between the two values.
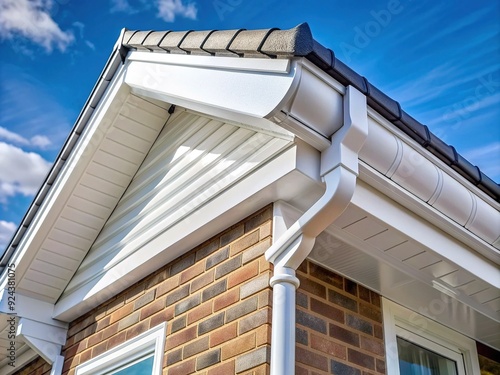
[339, 170]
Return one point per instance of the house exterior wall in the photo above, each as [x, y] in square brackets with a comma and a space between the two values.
[339, 325]
[217, 303]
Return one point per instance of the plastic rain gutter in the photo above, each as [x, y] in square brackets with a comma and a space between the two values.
[339, 170]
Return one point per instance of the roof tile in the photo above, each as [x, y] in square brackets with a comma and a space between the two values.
[293, 42]
[193, 42]
[172, 41]
[154, 39]
[248, 43]
[137, 39]
[218, 42]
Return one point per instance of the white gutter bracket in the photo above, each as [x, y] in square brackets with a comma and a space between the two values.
[339, 170]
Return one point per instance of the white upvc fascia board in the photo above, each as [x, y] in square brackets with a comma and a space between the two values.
[265, 65]
[114, 97]
[262, 187]
[415, 227]
[252, 88]
[429, 213]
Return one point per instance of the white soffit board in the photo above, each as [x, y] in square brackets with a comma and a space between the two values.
[119, 150]
[405, 285]
[195, 162]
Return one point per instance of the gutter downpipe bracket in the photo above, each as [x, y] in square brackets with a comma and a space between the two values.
[339, 170]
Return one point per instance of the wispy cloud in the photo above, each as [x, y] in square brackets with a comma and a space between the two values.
[40, 141]
[7, 229]
[167, 10]
[22, 172]
[31, 20]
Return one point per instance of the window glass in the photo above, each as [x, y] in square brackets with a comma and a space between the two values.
[415, 360]
[144, 366]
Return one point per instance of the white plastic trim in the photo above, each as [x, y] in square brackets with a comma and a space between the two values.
[339, 167]
[400, 321]
[149, 342]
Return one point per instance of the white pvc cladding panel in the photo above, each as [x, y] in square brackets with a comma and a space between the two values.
[118, 149]
[194, 159]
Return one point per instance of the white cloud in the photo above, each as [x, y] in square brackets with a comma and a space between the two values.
[22, 172]
[169, 9]
[40, 141]
[122, 6]
[31, 19]
[488, 159]
[7, 229]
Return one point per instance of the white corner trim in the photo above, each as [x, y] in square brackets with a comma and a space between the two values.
[399, 320]
[44, 339]
[149, 342]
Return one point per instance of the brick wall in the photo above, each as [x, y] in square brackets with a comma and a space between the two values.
[216, 302]
[339, 325]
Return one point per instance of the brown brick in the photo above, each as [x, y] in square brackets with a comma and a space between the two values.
[177, 295]
[328, 347]
[265, 230]
[364, 293]
[167, 285]
[375, 298]
[255, 285]
[226, 299]
[199, 312]
[182, 337]
[242, 308]
[243, 274]
[263, 335]
[103, 323]
[184, 368]
[327, 310]
[231, 235]
[359, 324]
[86, 355]
[238, 346]
[370, 312]
[344, 335]
[312, 287]
[255, 320]
[178, 324]
[99, 349]
[195, 347]
[378, 331]
[258, 219]
[115, 304]
[372, 345]
[144, 299]
[190, 273]
[256, 250]
[265, 298]
[344, 369]
[129, 320]
[174, 357]
[301, 371]
[329, 277]
[244, 243]
[182, 264]
[95, 339]
[253, 359]
[162, 316]
[312, 359]
[361, 359]
[152, 308]
[223, 334]
[351, 287]
[117, 339]
[223, 369]
[206, 278]
[80, 325]
[380, 366]
[137, 329]
[110, 331]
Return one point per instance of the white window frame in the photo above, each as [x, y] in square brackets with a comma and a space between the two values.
[418, 329]
[149, 342]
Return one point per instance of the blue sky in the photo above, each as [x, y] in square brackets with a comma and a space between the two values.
[439, 59]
